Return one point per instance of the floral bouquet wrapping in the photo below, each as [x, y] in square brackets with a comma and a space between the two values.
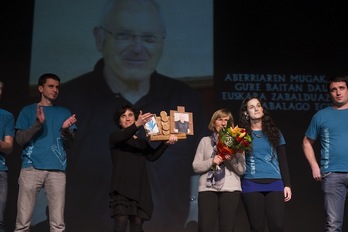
[232, 139]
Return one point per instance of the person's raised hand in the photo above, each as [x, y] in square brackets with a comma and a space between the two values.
[40, 115]
[143, 118]
[69, 122]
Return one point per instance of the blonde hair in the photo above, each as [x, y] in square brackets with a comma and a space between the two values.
[221, 113]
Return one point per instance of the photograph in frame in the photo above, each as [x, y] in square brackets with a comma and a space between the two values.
[181, 122]
[151, 127]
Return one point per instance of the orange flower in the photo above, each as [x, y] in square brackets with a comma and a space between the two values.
[223, 150]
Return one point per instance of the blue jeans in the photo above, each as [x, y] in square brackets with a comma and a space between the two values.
[30, 183]
[335, 188]
[3, 197]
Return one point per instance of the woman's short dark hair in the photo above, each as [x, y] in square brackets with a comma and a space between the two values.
[118, 113]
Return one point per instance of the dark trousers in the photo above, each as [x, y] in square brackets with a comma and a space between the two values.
[217, 211]
[3, 197]
[261, 206]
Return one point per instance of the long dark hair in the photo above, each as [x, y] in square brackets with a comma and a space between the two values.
[269, 128]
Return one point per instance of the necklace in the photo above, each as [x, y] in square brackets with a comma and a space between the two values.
[257, 135]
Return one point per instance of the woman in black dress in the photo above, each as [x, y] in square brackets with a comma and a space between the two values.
[130, 197]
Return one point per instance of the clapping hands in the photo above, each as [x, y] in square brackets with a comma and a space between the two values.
[69, 122]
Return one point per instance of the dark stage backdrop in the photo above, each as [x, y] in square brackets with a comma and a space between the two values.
[280, 51]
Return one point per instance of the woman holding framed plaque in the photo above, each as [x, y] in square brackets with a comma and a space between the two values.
[130, 195]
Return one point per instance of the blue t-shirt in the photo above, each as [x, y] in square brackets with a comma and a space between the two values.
[6, 129]
[262, 160]
[331, 125]
[45, 151]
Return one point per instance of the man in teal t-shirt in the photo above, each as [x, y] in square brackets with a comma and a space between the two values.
[331, 126]
[6, 145]
[44, 130]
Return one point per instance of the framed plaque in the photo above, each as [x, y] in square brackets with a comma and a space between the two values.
[179, 123]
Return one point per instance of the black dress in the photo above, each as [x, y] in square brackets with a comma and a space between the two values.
[129, 174]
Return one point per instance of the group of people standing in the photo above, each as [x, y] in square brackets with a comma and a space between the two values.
[126, 77]
[260, 177]
[44, 131]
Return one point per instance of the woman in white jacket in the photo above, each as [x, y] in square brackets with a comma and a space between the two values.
[219, 183]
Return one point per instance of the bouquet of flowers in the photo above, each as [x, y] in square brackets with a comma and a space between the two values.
[232, 139]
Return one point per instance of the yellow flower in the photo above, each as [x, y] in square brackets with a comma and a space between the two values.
[235, 130]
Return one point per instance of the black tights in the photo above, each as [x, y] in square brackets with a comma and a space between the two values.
[265, 205]
[121, 222]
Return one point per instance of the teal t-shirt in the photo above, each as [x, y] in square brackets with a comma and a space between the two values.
[262, 160]
[331, 125]
[45, 151]
[6, 129]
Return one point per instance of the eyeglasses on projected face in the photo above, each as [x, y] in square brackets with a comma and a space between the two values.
[124, 36]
